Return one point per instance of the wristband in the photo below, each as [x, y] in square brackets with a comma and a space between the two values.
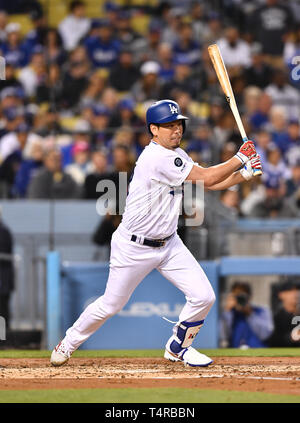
[244, 159]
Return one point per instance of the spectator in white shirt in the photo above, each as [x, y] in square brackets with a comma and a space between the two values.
[283, 94]
[35, 73]
[236, 52]
[74, 26]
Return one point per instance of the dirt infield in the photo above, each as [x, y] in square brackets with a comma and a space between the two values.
[280, 375]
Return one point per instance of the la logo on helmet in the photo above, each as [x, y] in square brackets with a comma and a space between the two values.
[173, 108]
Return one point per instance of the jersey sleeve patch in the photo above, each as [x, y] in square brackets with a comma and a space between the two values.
[178, 162]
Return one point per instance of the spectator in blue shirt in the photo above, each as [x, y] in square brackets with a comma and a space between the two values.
[37, 35]
[28, 168]
[103, 49]
[186, 48]
[13, 49]
[244, 324]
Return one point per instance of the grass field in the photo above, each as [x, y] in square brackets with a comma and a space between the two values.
[224, 352]
[144, 395]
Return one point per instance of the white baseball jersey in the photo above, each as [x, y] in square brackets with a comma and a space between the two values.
[155, 193]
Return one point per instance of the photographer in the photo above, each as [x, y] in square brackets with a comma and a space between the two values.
[287, 316]
[242, 323]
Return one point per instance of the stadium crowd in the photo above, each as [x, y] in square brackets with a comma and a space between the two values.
[72, 106]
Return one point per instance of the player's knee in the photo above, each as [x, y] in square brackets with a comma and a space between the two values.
[110, 307]
[204, 300]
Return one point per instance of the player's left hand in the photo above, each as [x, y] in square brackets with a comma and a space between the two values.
[248, 171]
[246, 152]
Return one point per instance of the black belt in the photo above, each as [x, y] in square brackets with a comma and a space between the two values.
[152, 242]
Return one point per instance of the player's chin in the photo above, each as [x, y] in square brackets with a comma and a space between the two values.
[176, 142]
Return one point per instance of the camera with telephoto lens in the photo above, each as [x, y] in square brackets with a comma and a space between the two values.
[242, 299]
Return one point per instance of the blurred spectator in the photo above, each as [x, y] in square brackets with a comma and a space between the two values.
[37, 36]
[125, 116]
[103, 233]
[13, 141]
[278, 128]
[110, 99]
[35, 73]
[123, 160]
[235, 51]
[198, 21]
[12, 146]
[112, 11]
[100, 172]
[124, 74]
[47, 122]
[251, 99]
[275, 169]
[96, 86]
[230, 202]
[292, 155]
[128, 37]
[186, 48]
[200, 147]
[3, 23]
[74, 26]
[171, 24]
[100, 122]
[260, 117]
[262, 142]
[50, 88]
[274, 204]
[244, 324]
[11, 79]
[103, 49]
[285, 333]
[291, 47]
[283, 94]
[81, 132]
[147, 48]
[51, 182]
[182, 80]
[81, 165]
[6, 271]
[269, 24]
[214, 28]
[258, 73]
[165, 59]
[293, 183]
[148, 86]
[75, 80]
[54, 51]
[27, 170]
[13, 49]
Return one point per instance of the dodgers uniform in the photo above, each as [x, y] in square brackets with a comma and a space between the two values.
[159, 174]
[146, 239]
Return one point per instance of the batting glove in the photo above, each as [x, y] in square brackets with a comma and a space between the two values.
[248, 171]
[246, 152]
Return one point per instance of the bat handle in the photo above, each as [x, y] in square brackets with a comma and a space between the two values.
[256, 172]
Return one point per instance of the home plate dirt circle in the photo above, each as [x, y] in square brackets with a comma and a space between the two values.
[269, 374]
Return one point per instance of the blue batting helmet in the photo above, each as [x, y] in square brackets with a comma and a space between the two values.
[164, 111]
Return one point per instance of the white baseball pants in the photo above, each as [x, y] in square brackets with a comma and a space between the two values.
[130, 263]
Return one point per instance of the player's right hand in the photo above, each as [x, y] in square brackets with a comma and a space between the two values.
[246, 152]
[251, 168]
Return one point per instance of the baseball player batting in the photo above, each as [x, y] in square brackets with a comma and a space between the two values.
[148, 240]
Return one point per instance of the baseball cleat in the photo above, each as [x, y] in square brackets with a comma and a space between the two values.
[190, 357]
[60, 355]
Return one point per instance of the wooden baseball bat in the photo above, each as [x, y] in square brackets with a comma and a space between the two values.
[221, 71]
